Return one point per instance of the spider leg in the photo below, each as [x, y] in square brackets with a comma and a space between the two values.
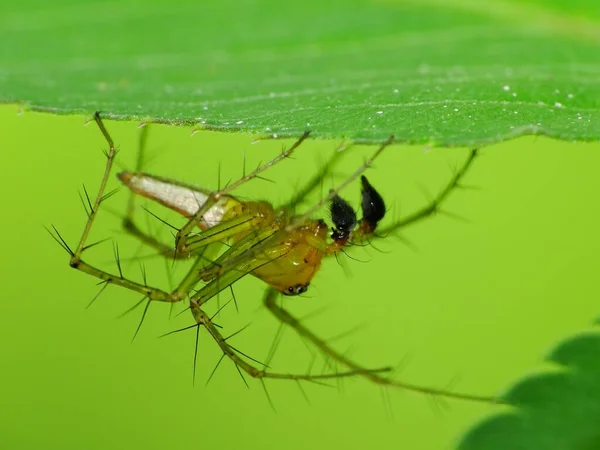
[285, 317]
[432, 208]
[261, 372]
[76, 260]
[314, 182]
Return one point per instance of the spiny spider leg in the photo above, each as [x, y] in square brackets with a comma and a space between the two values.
[202, 319]
[284, 316]
[76, 260]
[433, 207]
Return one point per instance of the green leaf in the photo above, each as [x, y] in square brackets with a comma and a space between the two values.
[554, 410]
[445, 72]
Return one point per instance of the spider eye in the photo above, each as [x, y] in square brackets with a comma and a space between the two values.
[297, 289]
[373, 206]
[343, 216]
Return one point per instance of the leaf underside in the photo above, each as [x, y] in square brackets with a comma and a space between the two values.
[437, 71]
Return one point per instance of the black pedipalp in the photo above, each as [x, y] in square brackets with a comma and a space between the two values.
[373, 206]
[343, 217]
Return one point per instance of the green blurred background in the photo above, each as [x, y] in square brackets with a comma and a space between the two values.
[479, 301]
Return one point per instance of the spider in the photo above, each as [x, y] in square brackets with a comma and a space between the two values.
[281, 248]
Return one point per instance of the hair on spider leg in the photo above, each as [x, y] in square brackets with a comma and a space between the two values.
[454, 381]
[117, 258]
[315, 313]
[144, 312]
[387, 402]
[339, 381]
[346, 333]
[179, 330]
[302, 391]
[59, 239]
[149, 238]
[454, 216]
[370, 243]
[237, 350]
[132, 308]
[235, 303]
[437, 405]
[402, 364]
[87, 203]
[342, 263]
[93, 244]
[237, 332]
[212, 373]
[402, 239]
[354, 258]
[160, 219]
[239, 371]
[195, 364]
[313, 358]
[220, 309]
[166, 255]
[329, 366]
[144, 273]
[218, 313]
[275, 343]
[186, 308]
[104, 284]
